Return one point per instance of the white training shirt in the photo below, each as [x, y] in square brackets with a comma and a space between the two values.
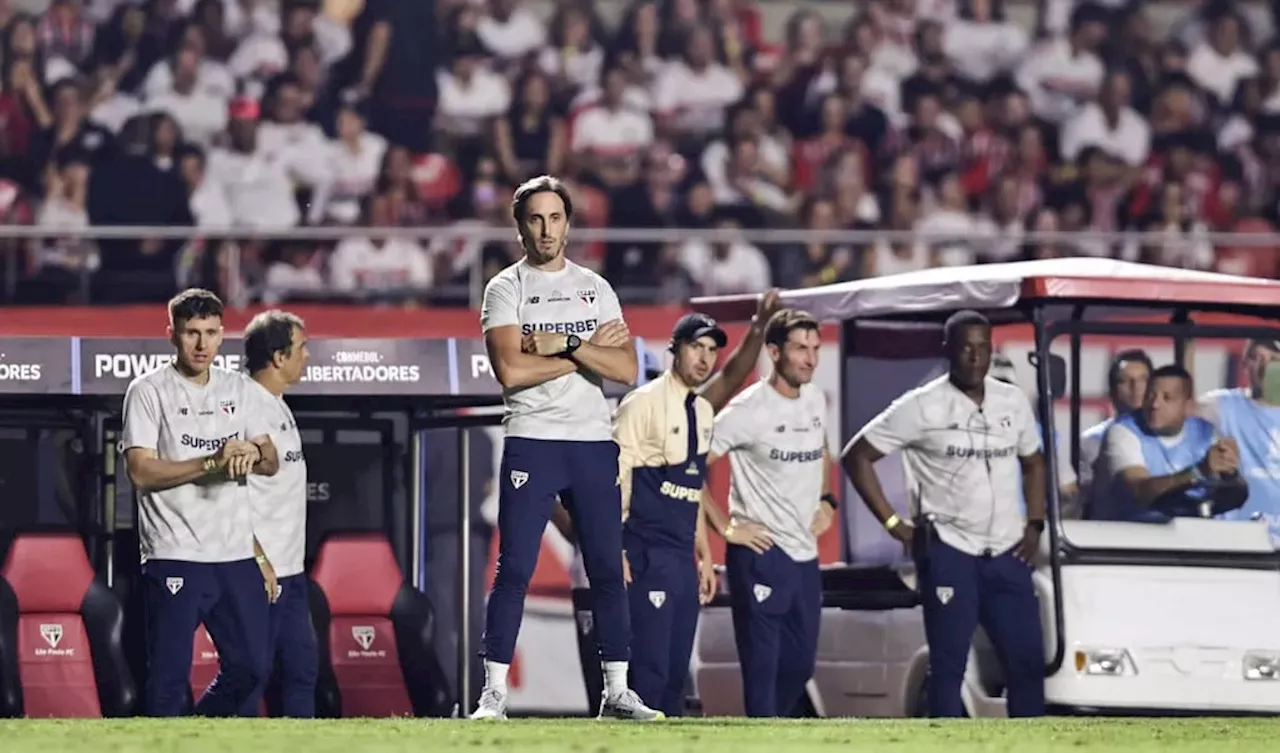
[574, 301]
[775, 447]
[961, 459]
[182, 420]
[279, 502]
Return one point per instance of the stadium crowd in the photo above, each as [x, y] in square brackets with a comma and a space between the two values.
[933, 115]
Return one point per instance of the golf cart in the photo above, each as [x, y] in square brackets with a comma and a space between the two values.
[1180, 617]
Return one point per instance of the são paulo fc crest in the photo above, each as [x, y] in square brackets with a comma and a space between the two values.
[945, 593]
[228, 407]
[588, 297]
[519, 478]
[657, 598]
[173, 584]
[52, 634]
[364, 635]
[761, 592]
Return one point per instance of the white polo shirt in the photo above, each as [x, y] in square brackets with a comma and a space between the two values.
[775, 446]
[962, 459]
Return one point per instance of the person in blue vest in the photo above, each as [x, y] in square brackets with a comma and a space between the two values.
[1163, 452]
[1127, 388]
[1245, 415]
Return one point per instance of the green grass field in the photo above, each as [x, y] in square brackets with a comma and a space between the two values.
[585, 736]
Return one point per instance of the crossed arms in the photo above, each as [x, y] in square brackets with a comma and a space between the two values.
[539, 357]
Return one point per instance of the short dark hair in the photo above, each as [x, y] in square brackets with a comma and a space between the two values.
[194, 303]
[1133, 355]
[540, 184]
[959, 322]
[1173, 371]
[784, 322]
[267, 334]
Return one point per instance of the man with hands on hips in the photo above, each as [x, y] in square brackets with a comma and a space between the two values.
[964, 437]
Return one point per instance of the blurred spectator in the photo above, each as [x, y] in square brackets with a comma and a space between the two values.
[1110, 124]
[384, 266]
[1063, 74]
[1219, 62]
[609, 136]
[257, 181]
[65, 34]
[727, 265]
[981, 43]
[201, 113]
[530, 139]
[60, 267]
[295, 274]
[575, 58]
[129, 189]
[692, 94]
[349, 168]
[510, 30]
[211, 76]
[206, 199]
[816, 262]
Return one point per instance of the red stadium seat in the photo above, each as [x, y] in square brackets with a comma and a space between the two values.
[60, 634]
[375, 634]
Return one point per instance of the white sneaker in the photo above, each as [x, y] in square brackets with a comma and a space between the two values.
[493, 705]
[628, 706]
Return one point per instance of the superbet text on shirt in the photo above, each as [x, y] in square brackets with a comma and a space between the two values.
[181, 420]
[962, 459]
[572, 301]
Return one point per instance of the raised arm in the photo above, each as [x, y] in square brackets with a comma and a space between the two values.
[721, 386]
[499, 318]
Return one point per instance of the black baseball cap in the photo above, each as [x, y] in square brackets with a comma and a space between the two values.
[692, 326]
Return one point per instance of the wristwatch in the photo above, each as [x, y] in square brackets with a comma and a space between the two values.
[572, 343]
[211, 464]
[1036, 524]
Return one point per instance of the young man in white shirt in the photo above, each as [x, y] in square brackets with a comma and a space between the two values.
[964, 438]
[554, 332]
[190, 438]
[780, 501]
[275, 352]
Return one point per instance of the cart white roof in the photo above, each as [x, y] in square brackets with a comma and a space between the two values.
[995, 286]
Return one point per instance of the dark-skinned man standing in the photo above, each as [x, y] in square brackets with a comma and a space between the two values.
[964, 437]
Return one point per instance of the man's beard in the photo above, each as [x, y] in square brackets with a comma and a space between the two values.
[540, 256]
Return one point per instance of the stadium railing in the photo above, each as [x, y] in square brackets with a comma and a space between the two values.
[74, 265]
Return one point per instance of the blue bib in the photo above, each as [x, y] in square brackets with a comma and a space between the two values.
[1160, 459]
[1256, 429]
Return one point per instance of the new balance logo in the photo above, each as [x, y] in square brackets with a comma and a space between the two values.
[519, 478]
[173, 584]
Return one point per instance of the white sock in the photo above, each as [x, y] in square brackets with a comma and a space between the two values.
[495, 675]
[615, 678]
